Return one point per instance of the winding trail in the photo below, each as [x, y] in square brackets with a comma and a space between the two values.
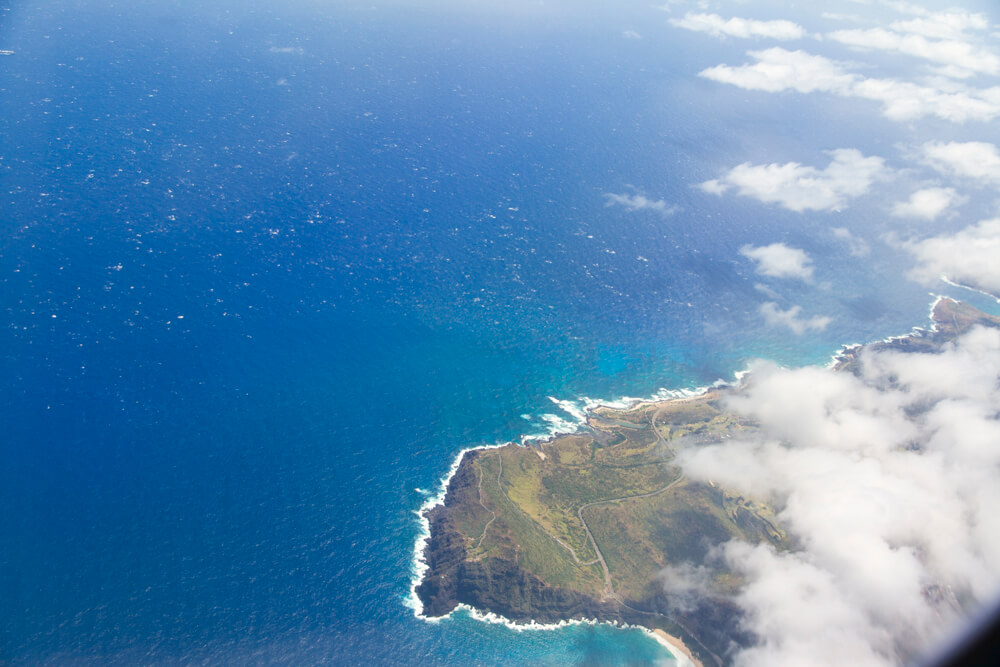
[609, 590]
[609, 587]
[486, 527]
[572, 552]
[568, 548]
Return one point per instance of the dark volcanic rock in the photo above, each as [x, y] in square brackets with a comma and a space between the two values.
[445, 550]
[502, 587]
[491, 584]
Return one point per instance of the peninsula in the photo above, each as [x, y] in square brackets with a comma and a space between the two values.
[584, 525]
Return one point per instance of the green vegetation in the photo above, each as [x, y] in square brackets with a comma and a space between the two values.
[534, 505]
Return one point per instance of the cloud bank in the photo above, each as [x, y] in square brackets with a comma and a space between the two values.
[889, 483]
[951, 24]
[802, 188]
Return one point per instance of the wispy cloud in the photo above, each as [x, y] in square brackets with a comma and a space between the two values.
[789, 319]
[835, 16]
[799, 187]
[858, 247]
[717, 26]
[780, 261]
[894, 516]
[639, 202]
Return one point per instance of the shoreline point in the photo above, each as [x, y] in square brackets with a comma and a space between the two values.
[678, 648]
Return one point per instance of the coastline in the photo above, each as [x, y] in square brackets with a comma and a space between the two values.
[971, 288]
[673, 645]
[581, 410]
[418, 566]
[847, 348]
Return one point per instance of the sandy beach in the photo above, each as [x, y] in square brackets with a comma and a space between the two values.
[679, 645]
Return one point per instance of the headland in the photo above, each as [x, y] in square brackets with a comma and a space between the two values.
[585, 525]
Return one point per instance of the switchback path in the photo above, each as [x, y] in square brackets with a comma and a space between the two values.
[480, 542]
[609, 587]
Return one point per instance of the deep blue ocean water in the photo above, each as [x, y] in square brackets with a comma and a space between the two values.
[266, 268]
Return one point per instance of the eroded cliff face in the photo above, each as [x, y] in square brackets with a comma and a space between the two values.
[503, 587]
[445, 551]
[492, 584]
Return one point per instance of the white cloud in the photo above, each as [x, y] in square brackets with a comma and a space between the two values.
[798, 187]
[778, 70]
[950, 52]
[975, 159]
[775, 317]
[894, 516]
[926, 204]
[780, 261]
[970, 257]
[795, 633]
[638, 202]
[700, 4]
[952, 24]
[717, 26]
[902, 100]
[713, 187]
[631, 34]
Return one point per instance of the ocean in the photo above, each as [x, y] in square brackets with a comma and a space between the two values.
[266, 268]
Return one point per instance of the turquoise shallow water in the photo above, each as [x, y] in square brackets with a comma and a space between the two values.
[266, 270]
